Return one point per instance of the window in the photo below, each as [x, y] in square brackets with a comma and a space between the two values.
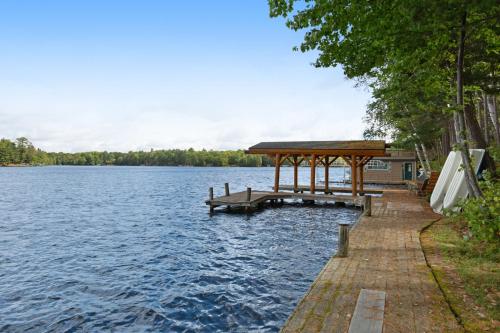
[378, 165]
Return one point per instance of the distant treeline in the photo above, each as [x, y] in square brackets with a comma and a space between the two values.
[22, 152]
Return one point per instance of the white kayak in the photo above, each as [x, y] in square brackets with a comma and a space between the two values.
[450, 167]
[458, 186]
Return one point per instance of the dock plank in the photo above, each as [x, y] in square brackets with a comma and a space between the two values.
[368, 314]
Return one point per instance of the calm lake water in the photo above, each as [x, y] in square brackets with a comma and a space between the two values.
[132, 249]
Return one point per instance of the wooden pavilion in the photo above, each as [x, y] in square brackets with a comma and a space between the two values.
[321, 153]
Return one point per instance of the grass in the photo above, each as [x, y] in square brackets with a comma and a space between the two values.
[468, 272]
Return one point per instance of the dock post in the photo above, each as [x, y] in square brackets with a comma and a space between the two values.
[354, 175]
[277, 166]
[210, 198]
[343, 240]
[312, 187]
[368, 205]
[226, 189]
[327, 174]
[295, 174]
[249, 193]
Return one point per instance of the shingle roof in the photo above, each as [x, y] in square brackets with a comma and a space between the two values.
[322, 145]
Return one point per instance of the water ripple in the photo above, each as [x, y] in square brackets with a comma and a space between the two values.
[134, 250]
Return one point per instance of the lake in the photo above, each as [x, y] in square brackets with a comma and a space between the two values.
[133, 249]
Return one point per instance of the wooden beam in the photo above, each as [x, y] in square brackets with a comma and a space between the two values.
[277, 167]
[283, 158]
[313, 173]
[332, 160]
[327, 174]
[354, 178]
[295, 174]
[365, 160]
[321, 160]
[361, 181]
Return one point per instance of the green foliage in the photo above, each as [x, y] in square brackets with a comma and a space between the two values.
[483, 214]
[23, 152]
[495, 153]
[406, 52]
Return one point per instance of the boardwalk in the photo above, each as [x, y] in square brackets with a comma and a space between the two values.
[385, 254]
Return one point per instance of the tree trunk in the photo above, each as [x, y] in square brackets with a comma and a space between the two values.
[446, 142]
[484, 116]
[492, 107]
[451, 132]
[426, 157]
[470, 176]
[477, 138]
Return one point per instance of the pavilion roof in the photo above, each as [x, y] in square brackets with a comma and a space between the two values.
[357, 147]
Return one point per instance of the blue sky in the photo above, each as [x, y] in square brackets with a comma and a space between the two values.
[128, 75]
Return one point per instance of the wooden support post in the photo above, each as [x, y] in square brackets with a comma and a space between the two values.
[313, 173]
[327, 174]
[343, 240]
[368, 205]
[277, 165]
[249, 194]
[226, 189]
[354, 178]
[361, 181]
[295, 175]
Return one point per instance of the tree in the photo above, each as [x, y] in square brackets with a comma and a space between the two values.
[376, 42]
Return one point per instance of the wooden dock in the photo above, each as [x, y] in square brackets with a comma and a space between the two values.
[385, 257]
[255, 199]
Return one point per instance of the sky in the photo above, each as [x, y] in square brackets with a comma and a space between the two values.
[123, 75]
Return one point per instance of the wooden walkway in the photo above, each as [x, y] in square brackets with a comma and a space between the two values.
[385, 255]
[257, 198]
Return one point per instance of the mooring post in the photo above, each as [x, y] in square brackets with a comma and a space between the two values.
[343, 240]
[368, 205]
[249, 193]
[226, 189]
[210, 198]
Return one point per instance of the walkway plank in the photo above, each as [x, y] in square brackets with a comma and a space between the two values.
[369, 312]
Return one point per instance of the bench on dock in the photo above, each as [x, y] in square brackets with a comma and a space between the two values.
[368, 315]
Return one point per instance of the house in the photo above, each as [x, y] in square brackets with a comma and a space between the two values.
[397, 168]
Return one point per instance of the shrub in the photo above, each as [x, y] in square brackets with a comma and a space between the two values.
[483, 214]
